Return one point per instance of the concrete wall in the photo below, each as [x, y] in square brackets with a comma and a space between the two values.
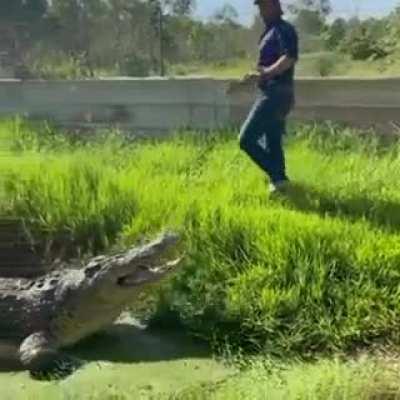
[157, 105]
[360, 102]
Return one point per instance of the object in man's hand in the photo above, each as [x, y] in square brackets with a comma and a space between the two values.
[248, 79]
[264, 72]
[251, 78]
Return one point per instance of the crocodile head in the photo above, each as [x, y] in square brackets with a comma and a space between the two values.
[116, 278]
[109, 284]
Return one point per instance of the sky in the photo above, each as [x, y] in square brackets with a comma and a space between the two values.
[342, 8]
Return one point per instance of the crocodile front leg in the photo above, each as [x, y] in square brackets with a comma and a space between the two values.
[38, 352]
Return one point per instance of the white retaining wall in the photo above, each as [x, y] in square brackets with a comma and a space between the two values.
[159, 105]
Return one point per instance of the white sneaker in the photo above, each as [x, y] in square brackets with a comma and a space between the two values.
[278, 186]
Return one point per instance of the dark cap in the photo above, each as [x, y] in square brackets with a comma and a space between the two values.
[276, 3]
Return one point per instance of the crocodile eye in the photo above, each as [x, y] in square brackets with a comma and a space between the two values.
[92, 271]
[40, 283]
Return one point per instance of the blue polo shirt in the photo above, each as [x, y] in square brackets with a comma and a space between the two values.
[278, 39]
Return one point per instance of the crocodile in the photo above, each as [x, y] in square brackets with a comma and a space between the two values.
[42, 316]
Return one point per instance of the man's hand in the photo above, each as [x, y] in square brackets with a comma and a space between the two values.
[265, 72]
[249, 79]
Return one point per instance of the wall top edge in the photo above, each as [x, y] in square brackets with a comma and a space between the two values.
[197, 78]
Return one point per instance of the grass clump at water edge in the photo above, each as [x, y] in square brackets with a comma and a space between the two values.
[314, 274]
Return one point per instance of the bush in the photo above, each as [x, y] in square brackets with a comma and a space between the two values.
[362, 44]
[334, 34]
[135, 65]
[324, 65]
[47, 64]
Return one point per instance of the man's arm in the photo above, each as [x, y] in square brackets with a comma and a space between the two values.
[288, 45]
[287, 39]
[283, 64]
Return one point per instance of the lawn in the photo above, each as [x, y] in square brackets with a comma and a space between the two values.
[305, 277]
[367, 378]
[126, 361]
[318, 64]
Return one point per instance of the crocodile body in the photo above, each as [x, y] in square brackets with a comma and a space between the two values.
[43, 315]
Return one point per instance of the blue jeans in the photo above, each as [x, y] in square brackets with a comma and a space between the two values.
[267, 118]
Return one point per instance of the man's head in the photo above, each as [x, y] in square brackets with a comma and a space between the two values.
[269, 9]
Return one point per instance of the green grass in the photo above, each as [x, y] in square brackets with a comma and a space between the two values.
[115, 381]
[366, 378]
[312, 275]
[311, 64]
[334, 379]
[129, 363]
[317, 273]
[318, 64]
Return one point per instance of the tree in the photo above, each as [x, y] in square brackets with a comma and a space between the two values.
[309, 22]
[174, 7]
[201, 39]
[322, 7]
[182, 7]
[366, 40]
[227, 14]
[19, 20]
[161, 9]
[22, 10]
[310, 15]
[310, 19]
[75, 19]
[335, 33]
[393, 34]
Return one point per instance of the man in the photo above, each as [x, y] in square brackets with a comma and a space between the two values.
[278, 48]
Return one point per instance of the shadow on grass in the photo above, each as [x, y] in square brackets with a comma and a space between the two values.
[122, 343]
[55, 369]
[382, 214]
[127, 343]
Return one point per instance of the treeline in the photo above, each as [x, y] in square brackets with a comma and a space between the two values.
[128, 37]
[364, 39]
[368, 39]
[71, 38]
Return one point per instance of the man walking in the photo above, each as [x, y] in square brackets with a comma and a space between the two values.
[278, 48]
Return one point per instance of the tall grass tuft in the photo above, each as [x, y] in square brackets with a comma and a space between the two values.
[317, 272]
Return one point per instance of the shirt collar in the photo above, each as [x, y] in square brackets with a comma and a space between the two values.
[269, 23]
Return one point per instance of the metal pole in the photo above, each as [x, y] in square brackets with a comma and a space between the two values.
[161, 31]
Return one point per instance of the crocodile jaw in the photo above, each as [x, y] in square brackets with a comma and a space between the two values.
[147, 274]
[138, 267]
